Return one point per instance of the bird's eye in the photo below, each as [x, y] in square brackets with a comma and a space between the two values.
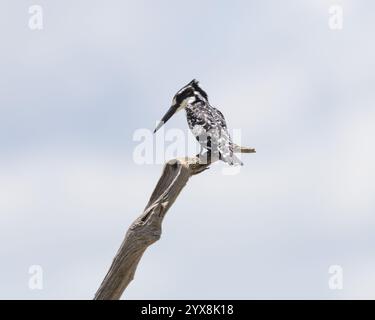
[189, 92]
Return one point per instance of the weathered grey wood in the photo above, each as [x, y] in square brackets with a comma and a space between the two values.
[146, 230]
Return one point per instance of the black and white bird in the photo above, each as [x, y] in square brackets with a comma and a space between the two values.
[206, 122]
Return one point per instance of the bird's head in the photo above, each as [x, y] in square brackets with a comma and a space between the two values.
[188, 95]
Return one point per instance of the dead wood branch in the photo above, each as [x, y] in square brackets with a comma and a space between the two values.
[146, 230]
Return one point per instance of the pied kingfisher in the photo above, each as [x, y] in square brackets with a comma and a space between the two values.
[206, 122]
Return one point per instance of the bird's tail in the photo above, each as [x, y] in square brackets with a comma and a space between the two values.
[232, 160]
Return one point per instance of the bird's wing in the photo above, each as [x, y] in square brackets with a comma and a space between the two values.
[220, 118]
[210, 128]
[225, 148]
[225, 144]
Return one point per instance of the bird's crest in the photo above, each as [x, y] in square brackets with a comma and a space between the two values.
[195, 84]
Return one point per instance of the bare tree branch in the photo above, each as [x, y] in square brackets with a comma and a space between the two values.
[146, 230]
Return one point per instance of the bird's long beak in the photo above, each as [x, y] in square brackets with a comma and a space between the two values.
[172, 110]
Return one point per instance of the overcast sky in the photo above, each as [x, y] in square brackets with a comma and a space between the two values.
[73, 94]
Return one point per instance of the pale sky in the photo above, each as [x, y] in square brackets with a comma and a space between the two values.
[73, 94]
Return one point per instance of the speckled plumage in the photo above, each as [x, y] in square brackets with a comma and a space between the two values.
[207, 123]
[209, 127]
